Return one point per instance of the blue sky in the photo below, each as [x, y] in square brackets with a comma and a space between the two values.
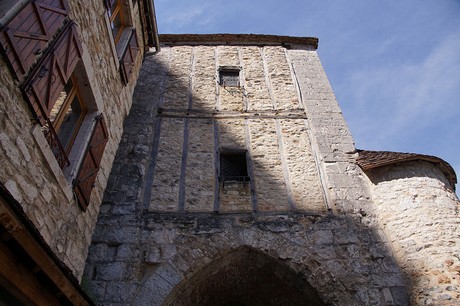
[394, 65]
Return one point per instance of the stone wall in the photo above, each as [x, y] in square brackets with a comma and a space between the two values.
[198, 118]
[28, 168]
[419, 212]
[157, 257]
[167, 219]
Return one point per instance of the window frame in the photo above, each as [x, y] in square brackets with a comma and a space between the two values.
[230, 72]
[125, 41]
[112, 14]
[57, 122]
[228, 154]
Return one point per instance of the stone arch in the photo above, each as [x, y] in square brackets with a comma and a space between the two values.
[332, 254]
[245, 276]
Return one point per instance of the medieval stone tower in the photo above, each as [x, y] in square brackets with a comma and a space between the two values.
[237, 182]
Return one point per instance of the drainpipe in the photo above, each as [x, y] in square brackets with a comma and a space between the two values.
[152, 25]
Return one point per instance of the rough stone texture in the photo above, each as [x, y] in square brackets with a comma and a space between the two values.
[420, 214]
[182, 166]
[268, 172]
[168, 165]
[255, 79]
[28, 173]
[177, 91]
[307, 208]
[204, 79]
[332, 253]
[199, 180]
[282, 84]
[301, 164]
[333, 146]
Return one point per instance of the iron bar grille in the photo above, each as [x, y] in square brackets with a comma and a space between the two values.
[56, 146]
[229, 78]
[233, 166]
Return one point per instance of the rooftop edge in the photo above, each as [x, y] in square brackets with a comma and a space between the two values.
[232, 39]
[374, 159]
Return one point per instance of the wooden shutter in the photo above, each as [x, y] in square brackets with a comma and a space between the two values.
[128, 59]
[91, 161]
[24, 38]
[47, 80]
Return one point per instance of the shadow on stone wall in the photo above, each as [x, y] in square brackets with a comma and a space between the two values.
[140, 257]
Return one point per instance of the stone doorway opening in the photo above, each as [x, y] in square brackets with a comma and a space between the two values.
[245, 277]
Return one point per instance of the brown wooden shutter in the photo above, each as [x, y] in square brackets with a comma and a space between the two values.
[128, 60]
[47, 79]
[91, 161]
[24, 38]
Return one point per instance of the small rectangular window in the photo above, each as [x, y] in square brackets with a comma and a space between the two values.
[229, 77]
[233, 166]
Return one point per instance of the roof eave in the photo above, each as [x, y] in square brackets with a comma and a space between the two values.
[238, 39]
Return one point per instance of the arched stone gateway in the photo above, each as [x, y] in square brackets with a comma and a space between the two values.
[244, 260]
[245, 277]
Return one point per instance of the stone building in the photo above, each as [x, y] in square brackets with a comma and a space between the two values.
[68, 70]
[237, 182]
[220, 171]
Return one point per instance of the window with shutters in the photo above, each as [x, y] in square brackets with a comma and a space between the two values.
[43, 51]
[57, 90]
[124, 36]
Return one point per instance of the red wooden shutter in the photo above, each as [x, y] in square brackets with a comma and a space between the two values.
[91, 161]
[128, 60]
[47, 80]
[28, 33]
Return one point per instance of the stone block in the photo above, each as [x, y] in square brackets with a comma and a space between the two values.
[113, 271]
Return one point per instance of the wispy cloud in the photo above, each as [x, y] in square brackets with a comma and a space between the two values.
[410, 105]
[404, 96]
[394, 65]
[184, 16]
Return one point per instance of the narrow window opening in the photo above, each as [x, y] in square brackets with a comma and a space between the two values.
[229, 77]
[233, 166]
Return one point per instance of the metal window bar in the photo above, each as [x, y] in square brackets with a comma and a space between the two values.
[243, 179]
[229, 78]
[53, 140]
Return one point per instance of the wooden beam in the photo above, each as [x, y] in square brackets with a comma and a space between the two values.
[28, 242]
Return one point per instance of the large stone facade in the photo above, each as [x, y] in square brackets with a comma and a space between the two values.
[173, 231]
[249, 192]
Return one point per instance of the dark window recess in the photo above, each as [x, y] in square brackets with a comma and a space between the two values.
[24, 38]
[229, 77]
[86, 177]
[233, 166]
